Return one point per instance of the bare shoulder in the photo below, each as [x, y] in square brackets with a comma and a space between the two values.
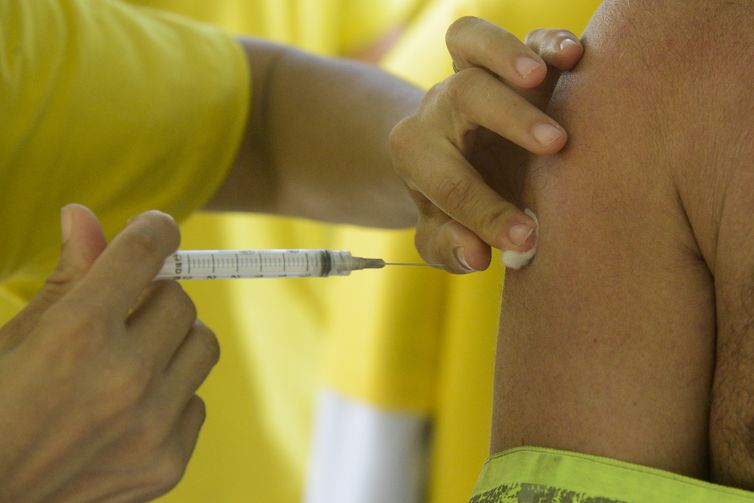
[617, 314]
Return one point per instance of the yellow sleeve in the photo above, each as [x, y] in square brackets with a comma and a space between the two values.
[117, 107]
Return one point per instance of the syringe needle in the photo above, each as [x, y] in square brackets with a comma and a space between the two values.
[415, 264]
[378, 263]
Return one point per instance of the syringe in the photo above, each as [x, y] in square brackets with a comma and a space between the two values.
[286, 263]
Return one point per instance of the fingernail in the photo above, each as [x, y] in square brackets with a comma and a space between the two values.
[545, 134]
[514, 259]
[65, 223]
[567, 42]
[519, 233]
[461, 258]
[525, 65]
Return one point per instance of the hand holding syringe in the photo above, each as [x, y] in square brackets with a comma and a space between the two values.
[286, 263]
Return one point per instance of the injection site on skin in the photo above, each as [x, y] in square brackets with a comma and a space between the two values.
[517, 260]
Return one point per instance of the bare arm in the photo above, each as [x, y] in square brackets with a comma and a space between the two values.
[316, 143]
[607, 341]
[720, 202]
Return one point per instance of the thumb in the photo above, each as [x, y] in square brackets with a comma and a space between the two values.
[83, 241]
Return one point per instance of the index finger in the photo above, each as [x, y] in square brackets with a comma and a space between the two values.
[128, 265]
[441, 174]
[475, 42]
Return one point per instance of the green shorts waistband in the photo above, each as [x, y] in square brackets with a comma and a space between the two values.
[534, 474]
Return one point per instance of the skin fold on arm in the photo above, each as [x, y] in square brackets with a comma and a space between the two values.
[628, 337]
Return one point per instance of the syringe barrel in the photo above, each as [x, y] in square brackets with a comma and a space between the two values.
[285, 263]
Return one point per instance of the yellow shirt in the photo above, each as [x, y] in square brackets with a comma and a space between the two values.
[116, 107]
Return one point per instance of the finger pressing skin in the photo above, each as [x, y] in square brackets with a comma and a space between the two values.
[161, 322]
[475, 98]
[129, 264]
[446, 179]
[559, 48]
[562, 50]
[442, 240]
[474, 42]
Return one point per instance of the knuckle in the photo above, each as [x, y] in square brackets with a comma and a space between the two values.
[154, 428]
[400, 137]
[426, 246]
[167, 227]
[455, 90]
[58, 283]
[154, 234]
[137, 375]
[188, 308]
[423, 233]
[461, 85]
[200, 409]
[168, 470]
[179, 302]
[457, 27]
[144, 242]
[426, 238]
[78, 335]
[209, 345]
[420, 242]
[488, 48]
[433, 106]
[125, 384]
[455, 193]
[533, 36]
[427, 210]
[497, 41]
[84, 322]
[197, 414]
[434, 96]
[161, 221]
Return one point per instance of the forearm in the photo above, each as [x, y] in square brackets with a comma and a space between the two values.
[316, 140]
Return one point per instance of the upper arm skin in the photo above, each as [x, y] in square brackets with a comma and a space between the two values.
[607, 340]
[316, 142]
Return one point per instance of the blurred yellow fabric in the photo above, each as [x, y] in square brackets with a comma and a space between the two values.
[93, 102]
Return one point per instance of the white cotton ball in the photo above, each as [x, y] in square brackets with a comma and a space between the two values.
[517, 260]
